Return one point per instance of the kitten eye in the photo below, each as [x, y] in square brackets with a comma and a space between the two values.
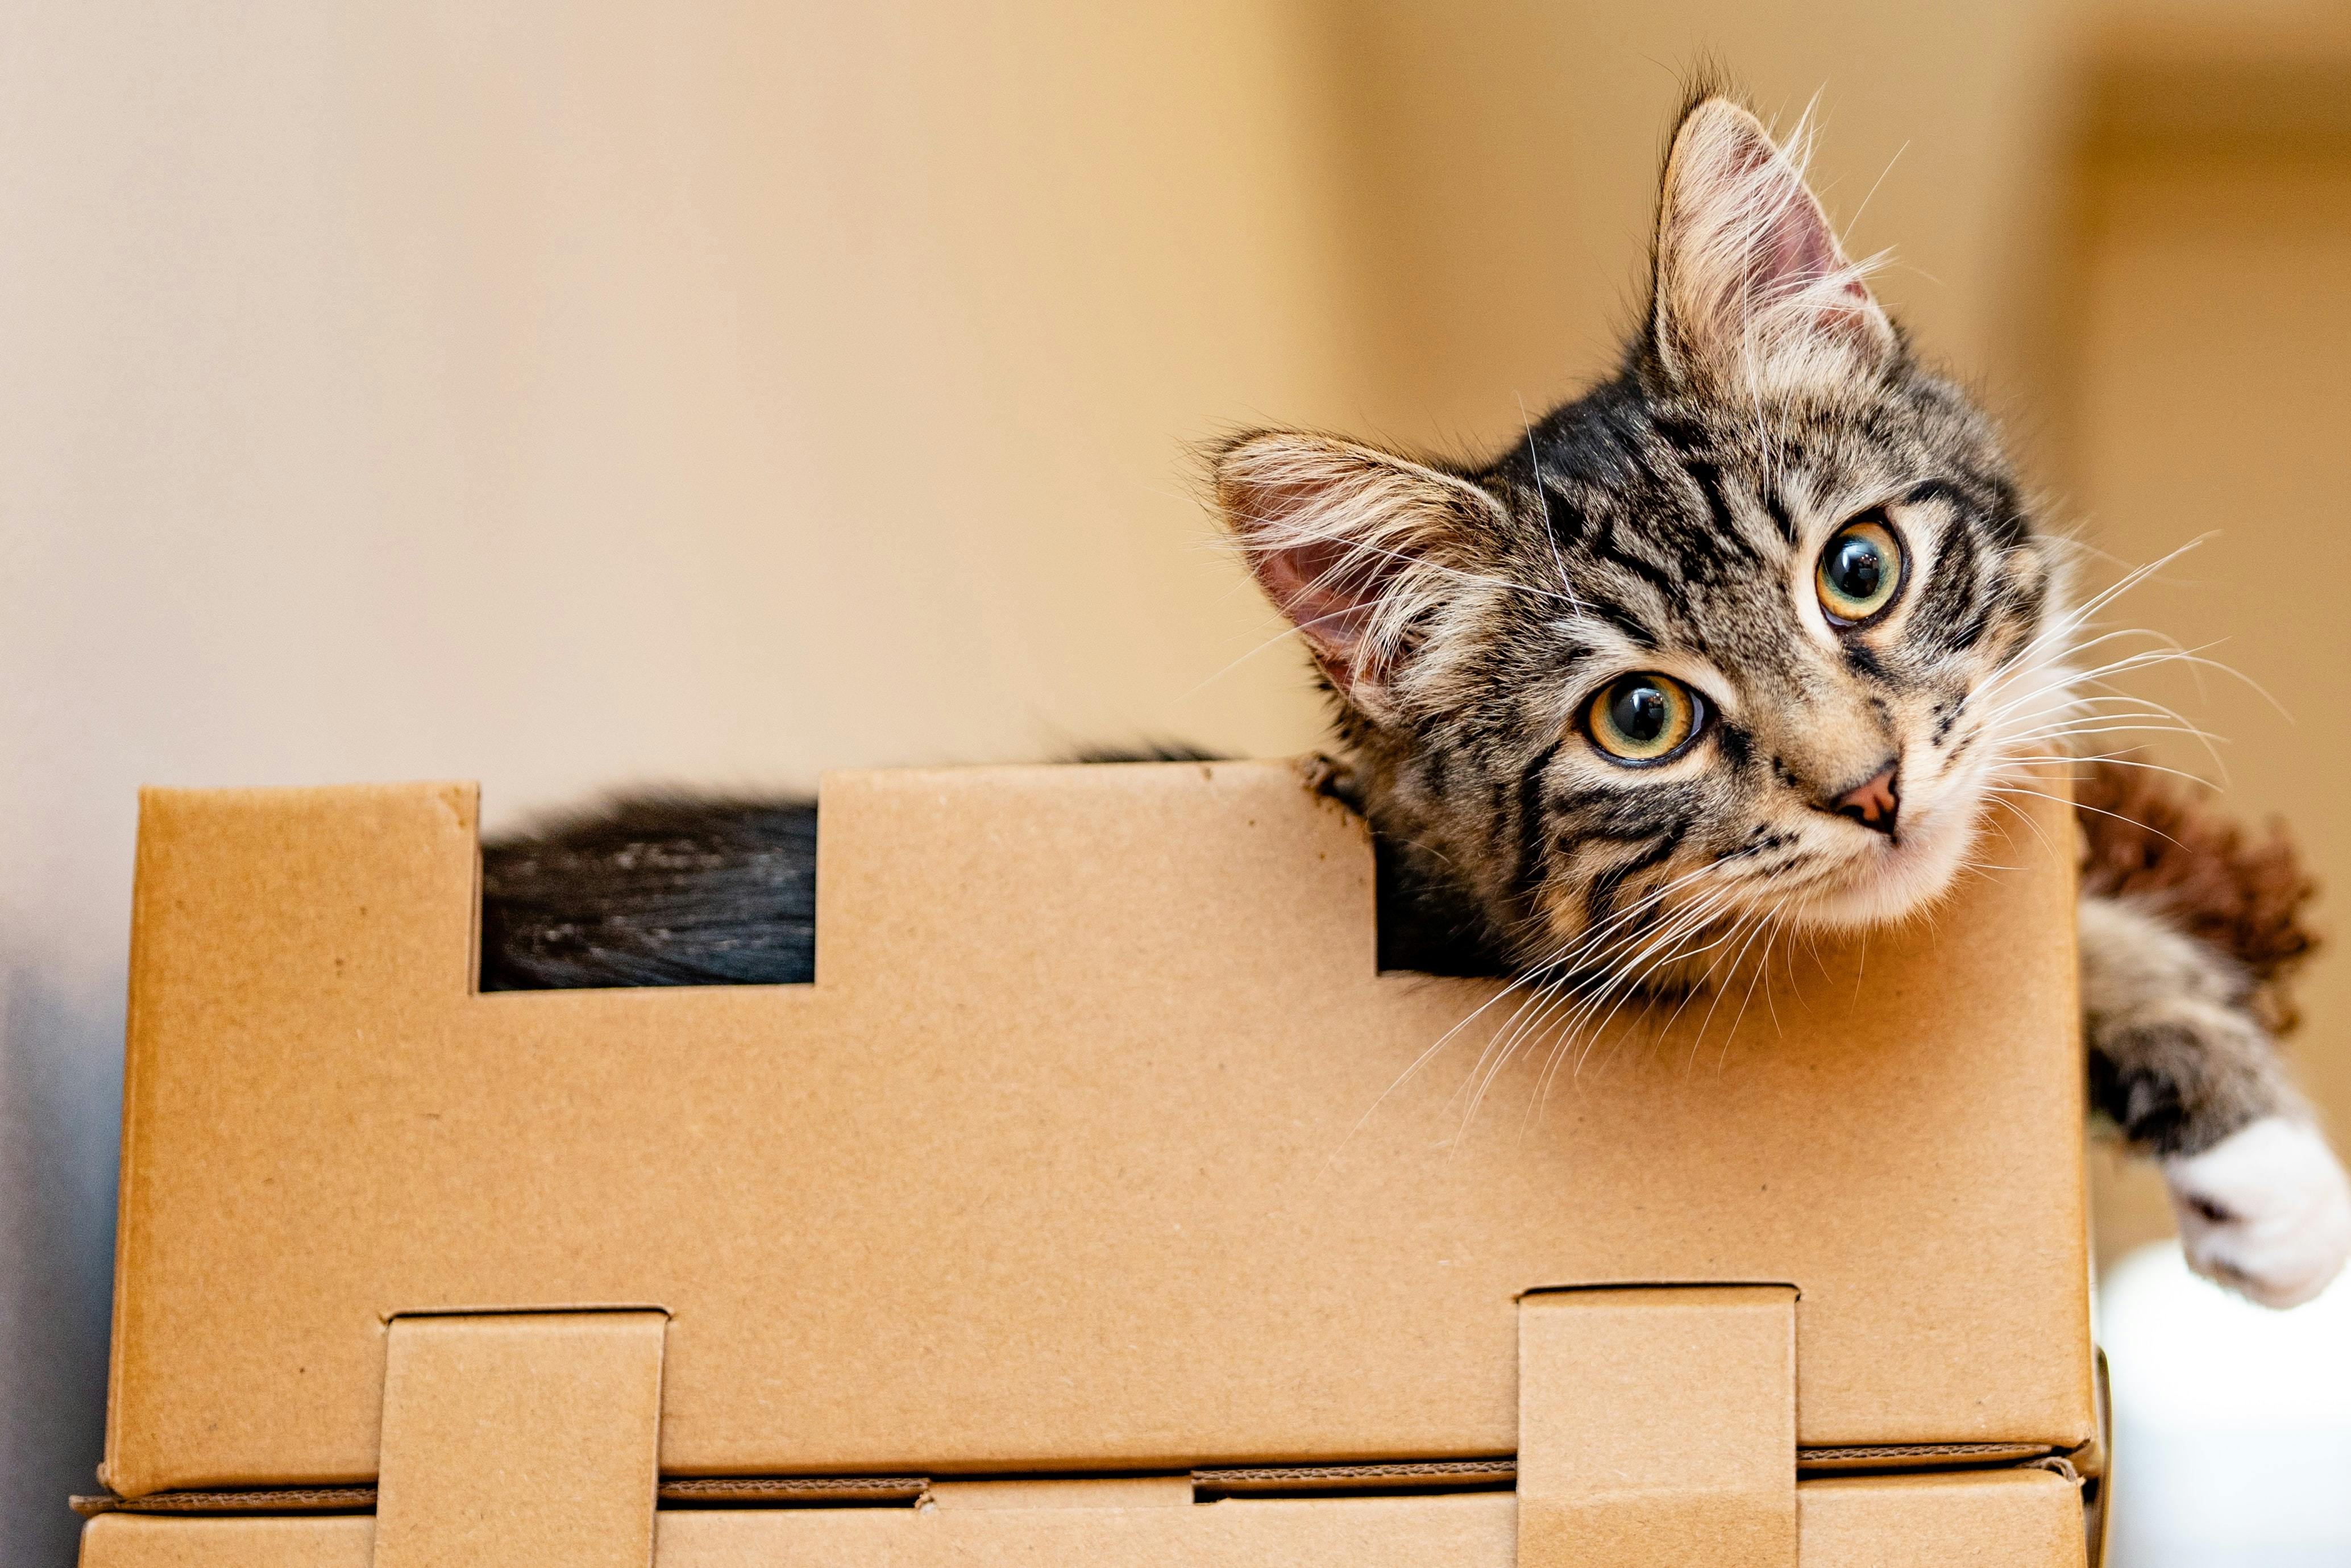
[1642, 718]
[1860, 572]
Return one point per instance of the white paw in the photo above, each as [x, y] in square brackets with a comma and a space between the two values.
[2266, 1211]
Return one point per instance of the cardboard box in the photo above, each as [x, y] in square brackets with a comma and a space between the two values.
[1098, 1173]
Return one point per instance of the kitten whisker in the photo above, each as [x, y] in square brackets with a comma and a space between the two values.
[1603, 982]
[2120, 727]
[1627, 983]
[2078, 806]
[1543, 499]
[1707, 1022]
[1562, 983]
[2212, 743]
[1995, 796]
[2138, 575]
[1581, 1014]
[2115, 760]
[1762, 971]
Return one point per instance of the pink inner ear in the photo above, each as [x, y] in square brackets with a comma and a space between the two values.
[1327, 590]
[1802, 253]
[1796, 247]
[1752, 248]
[1329, 587]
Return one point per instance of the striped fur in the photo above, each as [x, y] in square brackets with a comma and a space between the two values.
[1670, 521]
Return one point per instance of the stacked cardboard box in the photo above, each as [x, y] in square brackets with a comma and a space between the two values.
[1098, 1202]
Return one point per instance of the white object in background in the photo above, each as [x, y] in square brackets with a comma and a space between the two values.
[2232, 1423]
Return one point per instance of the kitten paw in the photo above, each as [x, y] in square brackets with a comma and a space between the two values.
[1326, 774]
[2266, 1211]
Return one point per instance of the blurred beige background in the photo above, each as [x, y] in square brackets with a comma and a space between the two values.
[568, 395]
[2202, 379]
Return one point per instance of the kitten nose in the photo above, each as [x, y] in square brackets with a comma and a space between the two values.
[1874, 804]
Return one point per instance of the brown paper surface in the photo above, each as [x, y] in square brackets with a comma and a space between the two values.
[519, 1437]
[1098, 1144]
[1657, 1425]
[2011, 1519]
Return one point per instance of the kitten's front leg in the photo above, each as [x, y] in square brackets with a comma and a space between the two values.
[2180, 1065]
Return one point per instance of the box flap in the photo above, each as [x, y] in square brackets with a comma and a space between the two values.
[524, 1439]
[1657, 1425]
[1098, 1144]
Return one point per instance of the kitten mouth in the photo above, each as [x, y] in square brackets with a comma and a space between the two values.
[1884, 881]
[1895, 851]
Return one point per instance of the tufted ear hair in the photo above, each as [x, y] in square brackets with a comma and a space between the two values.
[1357, 546]
[1752, 292]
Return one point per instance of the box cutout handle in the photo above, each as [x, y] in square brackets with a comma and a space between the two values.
[520, 1438]
[1657, 1425]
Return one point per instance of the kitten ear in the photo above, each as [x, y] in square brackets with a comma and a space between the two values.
[1751, 287]
[1356, 546]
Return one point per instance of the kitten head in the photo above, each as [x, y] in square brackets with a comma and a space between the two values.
[1749, 634]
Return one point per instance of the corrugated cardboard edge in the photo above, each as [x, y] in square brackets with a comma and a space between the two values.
[282, 1500]
[151, 802]
[1255, 1480]
[1906, 1457]
[684, 1491]
[1309, 1480]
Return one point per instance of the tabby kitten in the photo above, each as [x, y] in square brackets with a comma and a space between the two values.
[1748, 639]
